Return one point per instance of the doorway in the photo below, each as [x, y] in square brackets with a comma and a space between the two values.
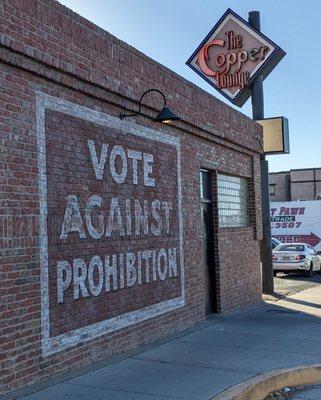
[208, 240]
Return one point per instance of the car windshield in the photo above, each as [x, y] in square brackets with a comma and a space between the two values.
[290, 247]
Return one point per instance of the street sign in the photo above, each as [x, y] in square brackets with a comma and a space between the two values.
[232, 55]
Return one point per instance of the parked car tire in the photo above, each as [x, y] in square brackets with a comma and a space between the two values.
[311, 272]
[274, 273]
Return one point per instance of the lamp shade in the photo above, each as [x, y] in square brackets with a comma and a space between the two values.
[166, 116]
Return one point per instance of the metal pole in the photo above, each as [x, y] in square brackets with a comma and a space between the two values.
[266, 243]
[258, 113]
[257, 88]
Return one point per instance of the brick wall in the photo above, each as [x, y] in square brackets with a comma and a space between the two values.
[63, 82]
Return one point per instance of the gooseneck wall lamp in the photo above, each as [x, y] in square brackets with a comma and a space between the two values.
[166, 115]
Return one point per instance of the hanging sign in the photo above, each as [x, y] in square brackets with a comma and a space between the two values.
[275, 135]
[232, 55]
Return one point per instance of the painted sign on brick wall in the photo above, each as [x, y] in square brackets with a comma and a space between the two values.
[110, 223]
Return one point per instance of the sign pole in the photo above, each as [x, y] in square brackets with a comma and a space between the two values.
[244, 58]
[258, 113]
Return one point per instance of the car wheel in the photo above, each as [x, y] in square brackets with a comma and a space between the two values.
[311, 272]
[274, 273]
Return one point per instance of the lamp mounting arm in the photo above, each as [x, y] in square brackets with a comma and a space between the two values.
[257, 137]
[122, 115]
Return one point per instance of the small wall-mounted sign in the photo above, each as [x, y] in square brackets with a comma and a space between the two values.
[275, 135]
[232, 55]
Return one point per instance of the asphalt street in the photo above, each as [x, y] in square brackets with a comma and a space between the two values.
[288, 284]
[310, 393]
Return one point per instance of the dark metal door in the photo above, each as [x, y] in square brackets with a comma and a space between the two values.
[208, 241]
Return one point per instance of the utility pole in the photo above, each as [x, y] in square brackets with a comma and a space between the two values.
[258, 113]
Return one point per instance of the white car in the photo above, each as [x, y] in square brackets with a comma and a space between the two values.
[289, 257]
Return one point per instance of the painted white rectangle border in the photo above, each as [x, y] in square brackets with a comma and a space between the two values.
[58, 343]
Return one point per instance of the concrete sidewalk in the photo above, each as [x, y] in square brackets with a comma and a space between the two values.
[208, 359]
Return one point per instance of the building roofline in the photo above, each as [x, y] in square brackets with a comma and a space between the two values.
[306, 169]
[296, 169]
[279, 172]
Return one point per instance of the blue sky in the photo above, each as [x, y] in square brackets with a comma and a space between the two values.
[170, 30]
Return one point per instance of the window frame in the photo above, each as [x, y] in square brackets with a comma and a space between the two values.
[235, 188]
[272, 186]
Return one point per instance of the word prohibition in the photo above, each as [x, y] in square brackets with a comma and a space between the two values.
[114, 272]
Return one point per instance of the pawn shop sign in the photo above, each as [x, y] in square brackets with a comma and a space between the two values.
[232, 55]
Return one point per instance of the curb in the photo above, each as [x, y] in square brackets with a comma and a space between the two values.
[258, 387]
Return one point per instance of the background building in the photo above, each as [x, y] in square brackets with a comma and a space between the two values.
[296, 184]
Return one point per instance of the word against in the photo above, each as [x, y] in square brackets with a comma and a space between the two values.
[131, 218]
[114, 272]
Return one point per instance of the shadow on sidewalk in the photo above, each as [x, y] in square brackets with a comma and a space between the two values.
[303, 302]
